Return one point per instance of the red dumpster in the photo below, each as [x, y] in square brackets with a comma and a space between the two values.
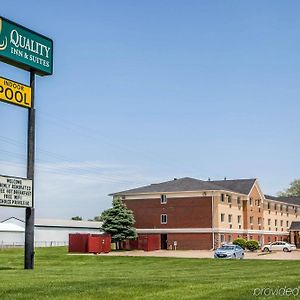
[149, 242]
[94, 244]
[89, 243]
[78, 242]
[105, 243]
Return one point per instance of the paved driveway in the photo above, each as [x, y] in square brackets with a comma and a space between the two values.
[205, 254]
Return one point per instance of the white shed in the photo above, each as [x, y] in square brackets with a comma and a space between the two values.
[47, 232]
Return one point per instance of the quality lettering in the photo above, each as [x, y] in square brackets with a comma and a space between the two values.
[20, 41]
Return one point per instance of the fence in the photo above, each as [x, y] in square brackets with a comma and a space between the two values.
[36, 244]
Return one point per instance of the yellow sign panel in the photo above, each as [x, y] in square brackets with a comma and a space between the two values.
[15, 93]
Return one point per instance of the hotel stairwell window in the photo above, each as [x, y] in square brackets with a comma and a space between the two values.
[163, 219]
[163, 199]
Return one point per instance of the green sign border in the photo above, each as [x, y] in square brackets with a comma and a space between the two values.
[23, 65]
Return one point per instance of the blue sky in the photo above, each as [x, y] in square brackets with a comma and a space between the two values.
[145, 91]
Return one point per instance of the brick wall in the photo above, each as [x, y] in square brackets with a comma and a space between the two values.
[191, 241]
[184, 212]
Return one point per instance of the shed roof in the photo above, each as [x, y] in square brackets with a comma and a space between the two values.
[58, 223]
[9, 227]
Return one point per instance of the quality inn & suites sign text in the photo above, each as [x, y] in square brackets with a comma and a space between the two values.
[25, 48]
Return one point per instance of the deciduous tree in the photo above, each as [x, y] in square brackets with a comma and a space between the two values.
[293, 190]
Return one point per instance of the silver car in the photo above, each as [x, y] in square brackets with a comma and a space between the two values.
[279, 246]
[230, 251]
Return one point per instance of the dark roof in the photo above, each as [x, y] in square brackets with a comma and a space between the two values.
[242, 186]
[289, 200]
[295, 226]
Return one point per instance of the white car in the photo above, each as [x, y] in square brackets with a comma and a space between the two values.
[279, 246]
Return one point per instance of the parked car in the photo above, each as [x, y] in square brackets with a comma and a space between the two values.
[230, 251]
[279, 246]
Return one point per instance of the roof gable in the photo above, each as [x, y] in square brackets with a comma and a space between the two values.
[242, 186]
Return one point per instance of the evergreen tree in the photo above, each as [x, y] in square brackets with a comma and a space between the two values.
[118, 222]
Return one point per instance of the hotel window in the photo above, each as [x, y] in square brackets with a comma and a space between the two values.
[240, 226]
[287, 224]
[229, 239]
[259, 221]
[229, 218]
[269, 221]
[163, 199]
[222, 217]
[251, 220]
[238, 200]
[287, 209]
[281, 223]
[269, 205]
[229, 199]
[163, 219]
[280, 207]
[239, 219]
[251, 201]
[222, 238]
[222, 197]
[275, 222]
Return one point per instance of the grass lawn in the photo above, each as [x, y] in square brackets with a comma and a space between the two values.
[61, 276]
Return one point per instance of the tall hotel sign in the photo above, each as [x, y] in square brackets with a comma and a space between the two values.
[33, 52]
[25, 49]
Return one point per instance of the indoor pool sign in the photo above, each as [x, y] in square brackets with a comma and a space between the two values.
[25, 48]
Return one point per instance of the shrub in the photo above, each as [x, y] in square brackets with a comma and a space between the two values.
[241, 242]
[252, 245]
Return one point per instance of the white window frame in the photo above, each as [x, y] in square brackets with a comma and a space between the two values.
[163, 199]
[161, 219]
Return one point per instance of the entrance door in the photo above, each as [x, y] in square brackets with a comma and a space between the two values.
[164, 241]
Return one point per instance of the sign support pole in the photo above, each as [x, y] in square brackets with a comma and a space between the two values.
[29, 215]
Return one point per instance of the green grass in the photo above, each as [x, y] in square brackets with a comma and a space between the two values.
[61, 276]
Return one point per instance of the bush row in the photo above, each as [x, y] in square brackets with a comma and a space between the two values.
[251, 245]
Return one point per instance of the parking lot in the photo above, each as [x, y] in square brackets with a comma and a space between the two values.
[295, 255]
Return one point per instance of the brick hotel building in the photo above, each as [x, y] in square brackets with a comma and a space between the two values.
[194, 214]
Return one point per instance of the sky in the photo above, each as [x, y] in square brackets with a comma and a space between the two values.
[146, 91]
